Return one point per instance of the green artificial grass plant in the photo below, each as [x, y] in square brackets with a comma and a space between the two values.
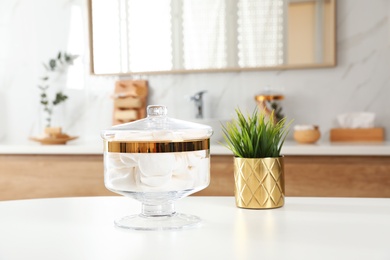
[256, 135]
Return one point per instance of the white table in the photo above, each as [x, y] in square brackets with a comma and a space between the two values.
[305, 228]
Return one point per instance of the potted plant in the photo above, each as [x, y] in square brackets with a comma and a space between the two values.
[54, 69]
[256, 142]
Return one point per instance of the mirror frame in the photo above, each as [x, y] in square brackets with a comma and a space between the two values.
[233, 69]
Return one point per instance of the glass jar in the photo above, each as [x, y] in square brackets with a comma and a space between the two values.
[271, 104]
[157, 160]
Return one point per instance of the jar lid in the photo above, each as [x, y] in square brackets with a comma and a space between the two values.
[157, 133]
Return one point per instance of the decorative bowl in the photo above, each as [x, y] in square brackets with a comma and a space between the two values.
[306, 134]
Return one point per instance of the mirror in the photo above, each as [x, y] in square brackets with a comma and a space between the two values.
[179, 36]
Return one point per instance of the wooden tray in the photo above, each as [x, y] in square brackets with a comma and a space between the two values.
[52, 140]
[357, 135]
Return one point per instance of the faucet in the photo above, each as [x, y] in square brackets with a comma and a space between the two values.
[197, 98]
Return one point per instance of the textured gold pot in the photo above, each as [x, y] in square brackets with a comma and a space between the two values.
[259, 182]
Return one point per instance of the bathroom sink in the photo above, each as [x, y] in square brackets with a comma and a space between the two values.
[216, 124]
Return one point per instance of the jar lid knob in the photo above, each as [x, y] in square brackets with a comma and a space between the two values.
[156, 110]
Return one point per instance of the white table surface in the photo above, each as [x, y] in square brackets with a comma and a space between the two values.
[305, 228]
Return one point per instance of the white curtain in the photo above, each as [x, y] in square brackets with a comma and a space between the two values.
[149, 32]
[204, 34]
[260, 32]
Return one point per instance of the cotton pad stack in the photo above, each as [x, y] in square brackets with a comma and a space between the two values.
[156, 172]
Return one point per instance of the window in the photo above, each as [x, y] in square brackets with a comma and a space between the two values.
[160, 35]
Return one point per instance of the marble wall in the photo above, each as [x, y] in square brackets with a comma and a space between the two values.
[33, 31]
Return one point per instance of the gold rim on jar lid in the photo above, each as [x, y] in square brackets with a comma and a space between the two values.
[269, 97]
[156, 147]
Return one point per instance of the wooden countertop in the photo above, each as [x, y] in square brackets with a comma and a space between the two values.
[289, 148]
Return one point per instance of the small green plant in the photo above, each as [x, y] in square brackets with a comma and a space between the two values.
[58, 65]
[255, 136]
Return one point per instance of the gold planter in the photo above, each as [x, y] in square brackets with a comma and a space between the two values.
[259, 182]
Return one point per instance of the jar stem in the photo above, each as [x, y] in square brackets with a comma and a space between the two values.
[161, 210]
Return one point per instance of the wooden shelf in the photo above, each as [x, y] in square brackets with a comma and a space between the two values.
[130, 100]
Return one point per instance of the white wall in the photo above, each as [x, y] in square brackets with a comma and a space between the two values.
[33, 31]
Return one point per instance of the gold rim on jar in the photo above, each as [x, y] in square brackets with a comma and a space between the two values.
[156, 147]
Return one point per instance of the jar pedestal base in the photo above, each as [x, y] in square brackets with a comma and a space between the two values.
[173, 222]
[158, 217]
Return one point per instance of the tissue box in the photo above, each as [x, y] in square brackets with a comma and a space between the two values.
[357, 135]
